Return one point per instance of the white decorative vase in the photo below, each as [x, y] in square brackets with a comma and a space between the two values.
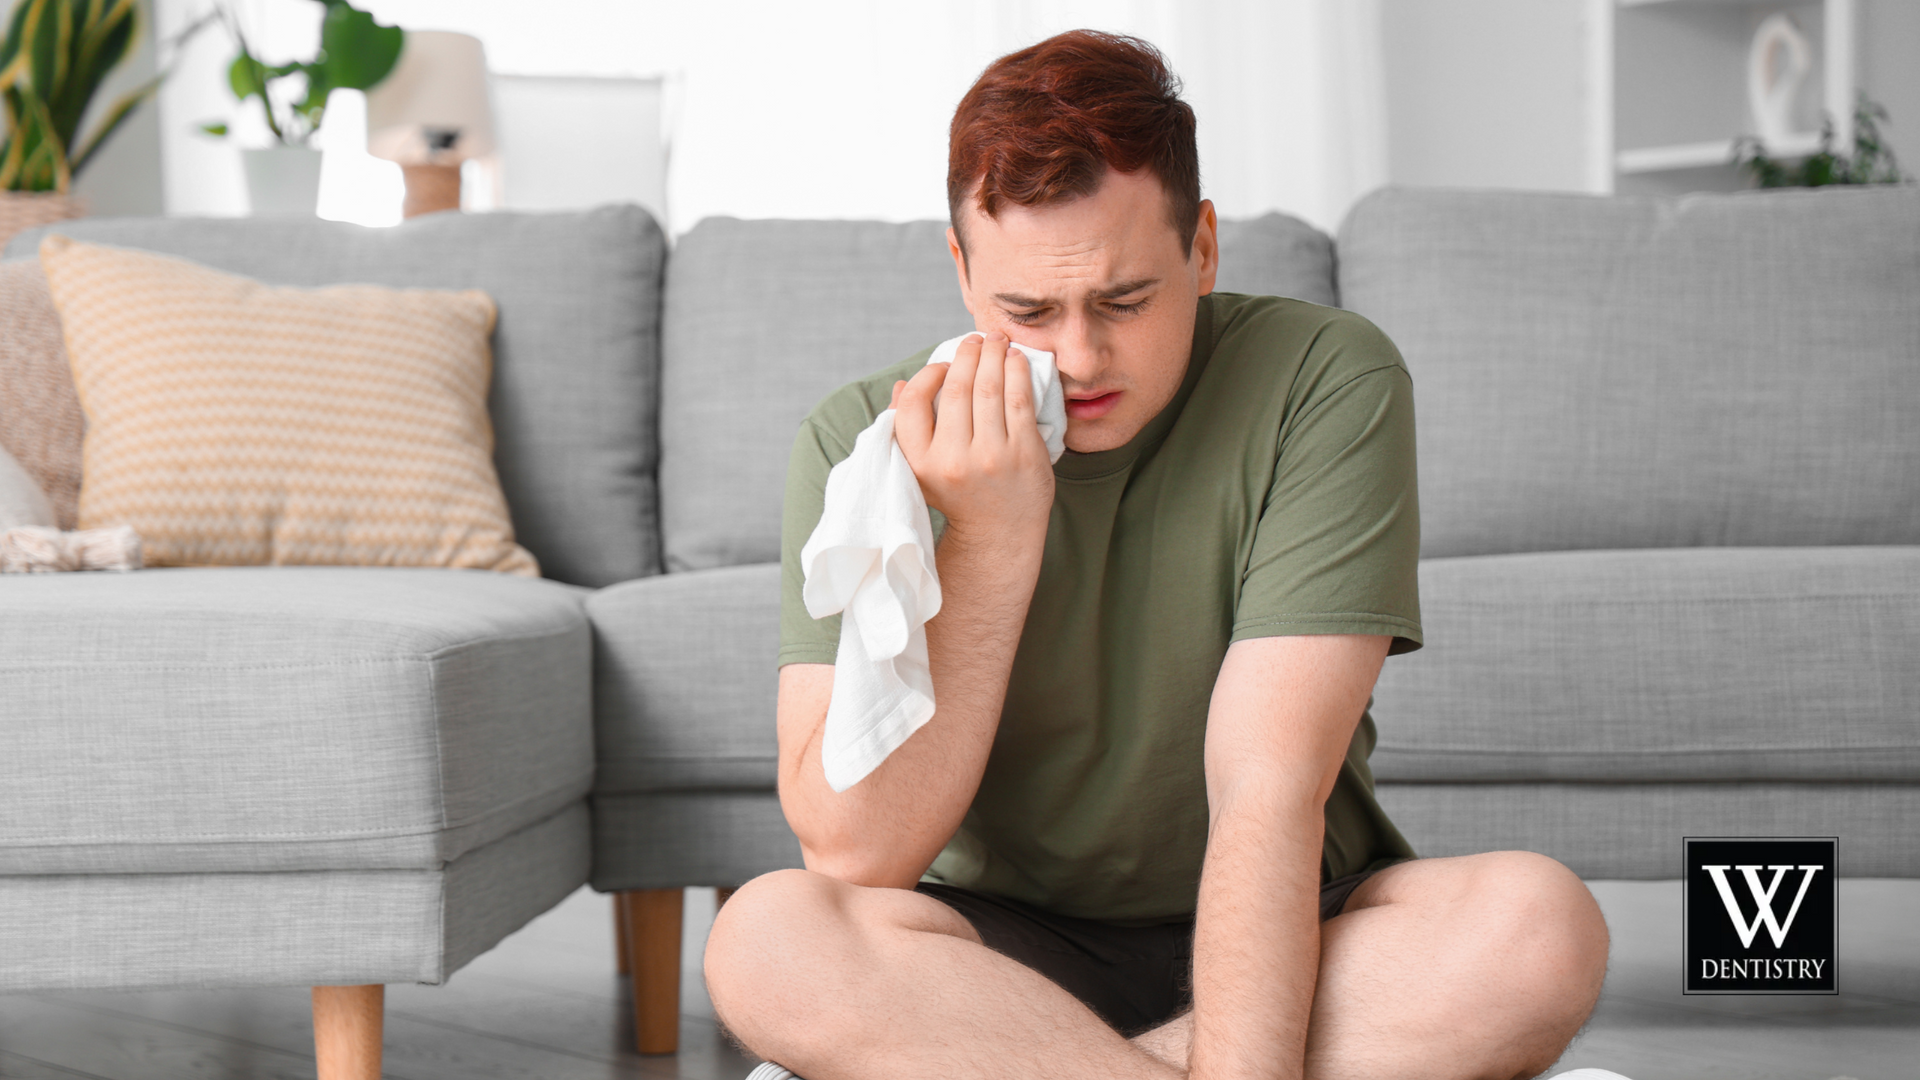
[1777, 63]
[282, 179]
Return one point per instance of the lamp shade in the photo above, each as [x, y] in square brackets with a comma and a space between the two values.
[433, 109]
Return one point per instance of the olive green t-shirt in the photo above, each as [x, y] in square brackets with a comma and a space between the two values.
[1274, 495]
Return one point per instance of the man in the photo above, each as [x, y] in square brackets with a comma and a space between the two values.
[1138, 838]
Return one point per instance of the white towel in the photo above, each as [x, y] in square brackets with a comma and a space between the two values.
[870, 560]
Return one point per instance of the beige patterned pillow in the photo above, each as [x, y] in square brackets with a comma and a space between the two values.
[40, 419]
[233, 423]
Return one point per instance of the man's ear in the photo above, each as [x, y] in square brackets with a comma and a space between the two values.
[1206, 246]
[960, 268]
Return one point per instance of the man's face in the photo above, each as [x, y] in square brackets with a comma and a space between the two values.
[1104, 284]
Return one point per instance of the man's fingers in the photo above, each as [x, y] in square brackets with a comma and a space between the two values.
[954, 428]
[1020, 407]
[989, 385]
[913, 400]
[894, 402]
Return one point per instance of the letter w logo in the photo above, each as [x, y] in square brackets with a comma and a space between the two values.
[1762, 898]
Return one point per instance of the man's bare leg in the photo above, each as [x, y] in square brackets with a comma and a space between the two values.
[840, 982]
[1477, 967]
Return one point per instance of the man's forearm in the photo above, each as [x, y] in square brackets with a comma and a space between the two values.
[886, 829]
[1282, 718]
[1256, 949]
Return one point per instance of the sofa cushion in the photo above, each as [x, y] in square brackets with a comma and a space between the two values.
[762, 320]
[232, 423]
[575, 352]
[1737, 370]
[1277, 255]
[765, 318]
[1757, 664]
[685, 679]
[40, 418]
[305, 718]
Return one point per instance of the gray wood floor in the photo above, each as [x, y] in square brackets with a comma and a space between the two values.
[543, 1004]
[547, 1004]
[1646, 1029]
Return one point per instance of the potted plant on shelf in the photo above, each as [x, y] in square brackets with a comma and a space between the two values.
[1872, 160]
[356, 52]
[54, 57]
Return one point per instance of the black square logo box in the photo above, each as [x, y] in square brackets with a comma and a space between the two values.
[1759, 915]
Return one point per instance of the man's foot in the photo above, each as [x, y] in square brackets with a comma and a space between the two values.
[767, 1070]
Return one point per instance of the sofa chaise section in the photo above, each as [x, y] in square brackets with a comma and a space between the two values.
[410, 790]
[229, 777]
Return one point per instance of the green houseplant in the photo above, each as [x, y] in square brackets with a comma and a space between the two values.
[54, 57]
[1872, 161]
[356, 52]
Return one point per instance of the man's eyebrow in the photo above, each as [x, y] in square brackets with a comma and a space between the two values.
[1126, 287]
[1109, 293]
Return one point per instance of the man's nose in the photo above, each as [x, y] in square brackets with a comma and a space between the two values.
[1078, 351]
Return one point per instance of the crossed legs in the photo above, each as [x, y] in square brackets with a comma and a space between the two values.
[1482, 966]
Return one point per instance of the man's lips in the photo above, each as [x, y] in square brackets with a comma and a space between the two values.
[1092, 408]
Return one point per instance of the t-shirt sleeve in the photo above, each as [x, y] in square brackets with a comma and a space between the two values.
[824, 440]
[1337, 547]
[804, 639]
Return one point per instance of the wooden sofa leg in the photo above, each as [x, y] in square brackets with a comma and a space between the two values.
[653, 955]
[622, 945]
[348, 1025]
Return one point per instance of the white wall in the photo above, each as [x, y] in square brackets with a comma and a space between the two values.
[1492, 93]
[1486, 93]
[1890, 69]
[839, 108]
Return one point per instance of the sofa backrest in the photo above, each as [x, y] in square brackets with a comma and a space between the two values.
[765, 318]
[1736, 370]
[576, 348]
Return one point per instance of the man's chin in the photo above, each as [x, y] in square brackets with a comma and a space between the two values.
[1094, 436]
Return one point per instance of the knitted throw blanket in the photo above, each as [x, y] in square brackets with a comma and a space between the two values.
[37, 549]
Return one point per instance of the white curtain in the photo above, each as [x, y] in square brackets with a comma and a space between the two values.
[839, 108]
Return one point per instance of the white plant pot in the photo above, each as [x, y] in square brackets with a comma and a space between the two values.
[282, 179]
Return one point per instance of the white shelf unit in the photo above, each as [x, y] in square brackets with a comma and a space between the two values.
[1667, 86]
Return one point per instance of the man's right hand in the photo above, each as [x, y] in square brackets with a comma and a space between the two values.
[982, 463]
[979, 456]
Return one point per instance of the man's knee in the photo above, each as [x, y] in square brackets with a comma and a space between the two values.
[791, 950]
[762, 931]
[1547, 947]
[1549, 918]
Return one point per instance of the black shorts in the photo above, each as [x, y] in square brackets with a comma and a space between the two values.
[1134, 977]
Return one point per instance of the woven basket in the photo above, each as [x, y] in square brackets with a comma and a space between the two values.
[23, 210]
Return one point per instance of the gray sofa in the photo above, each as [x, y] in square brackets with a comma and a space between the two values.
[1671, 585]
[340, 776]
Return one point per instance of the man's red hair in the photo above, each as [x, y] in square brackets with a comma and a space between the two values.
[1043, 125]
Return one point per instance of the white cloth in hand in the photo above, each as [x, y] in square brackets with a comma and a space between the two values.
[870, 560]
